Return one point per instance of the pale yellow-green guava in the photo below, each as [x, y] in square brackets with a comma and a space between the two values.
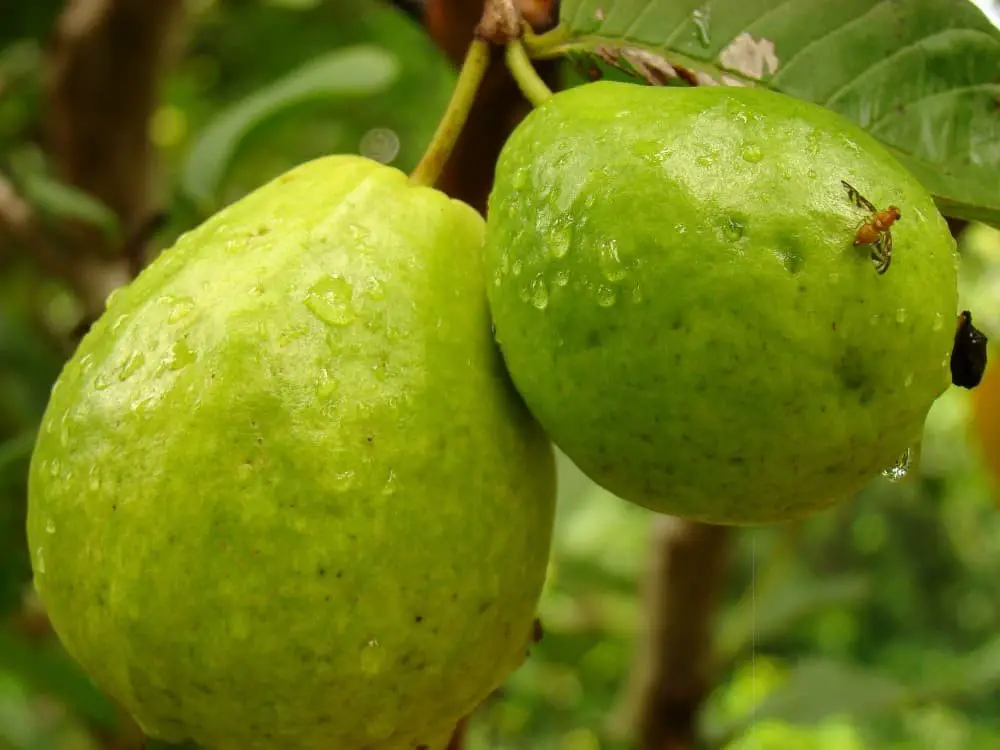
[678, 297]
[284, 495]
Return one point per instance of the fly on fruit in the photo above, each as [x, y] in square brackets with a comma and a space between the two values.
[968, 356]
[875, 230]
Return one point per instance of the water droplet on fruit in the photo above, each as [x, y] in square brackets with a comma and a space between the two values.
[559, 242]
[752, 154]
[606, 296]
[54, 467]
[329, 299]
[326, 386]
[900, 468]
[680, 229]
[901, 315]
[50, 526]
[908, 381]
[733, 229]
[636, 294]
[560, 278]
[519, 179]
[497, 278]
[524, 292]
[705, 160]
[390, 484]
[94, 482]
[343, 480]
[119, 322]
[372, 657]
[101, 382]
[811, 174]
[181, 307]
[180, 356]
[131, 366]
[610, 262]
[517, 267]
[812, 142]
[938, 321]
[539, 294]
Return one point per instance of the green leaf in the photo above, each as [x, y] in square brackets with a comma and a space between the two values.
[360, 71]
[61, 201]
[921, 75]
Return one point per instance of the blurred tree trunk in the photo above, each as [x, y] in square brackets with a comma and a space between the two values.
[673, 669]
[104, 65]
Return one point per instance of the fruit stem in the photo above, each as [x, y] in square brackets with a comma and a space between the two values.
[528, 80]
[450, 127]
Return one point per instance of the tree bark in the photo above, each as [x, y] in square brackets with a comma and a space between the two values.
[673, 669]
[105, 62]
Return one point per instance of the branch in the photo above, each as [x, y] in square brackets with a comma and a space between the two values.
[673, 670]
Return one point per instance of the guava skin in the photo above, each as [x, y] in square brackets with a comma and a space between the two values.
[284, 495]
[678, 298]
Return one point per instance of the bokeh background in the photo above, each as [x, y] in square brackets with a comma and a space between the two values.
[873, 625]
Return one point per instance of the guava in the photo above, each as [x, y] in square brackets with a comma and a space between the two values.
[679, 299]
[284, 494]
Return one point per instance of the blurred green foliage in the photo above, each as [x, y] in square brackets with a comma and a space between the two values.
[870, 626]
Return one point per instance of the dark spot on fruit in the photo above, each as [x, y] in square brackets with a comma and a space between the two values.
[201, 687]
[262, 230]
[593, 339]
[326, 598]
[114, 507]
[792, 260]
[483, 607]
[454, 596]
[340, 574]
[352, 537]
[418, 619]
[322, 571]
[737, 460]
[802, 288]
[833, 325]
[260, 441]
[677, 323]
[370, 438]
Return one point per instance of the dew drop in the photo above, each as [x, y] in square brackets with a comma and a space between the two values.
[180, 356]
[606, 296]
[372, 658]
[733, 229]
[811, 174]
[752, 154]
[55, 467]
[610, 262]
[680, 228]
[343, 480]
[390, 484]
[50, 527]
[497, 278]
[559, 242]
[560, 278]
[938, 321]
[520, 179]
[901, 315]
[517, 267]
[908, 381]
[181, 308]
[636, 294]
[900, 468]
[539, 294]
[131, 366]
[329, 299]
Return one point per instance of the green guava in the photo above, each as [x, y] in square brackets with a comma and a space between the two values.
[678, 297]
[284, 494]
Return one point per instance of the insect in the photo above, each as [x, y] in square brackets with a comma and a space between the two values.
[968, 355]
[875, 231]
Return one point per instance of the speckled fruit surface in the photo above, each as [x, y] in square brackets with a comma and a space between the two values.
[284, 495]
[677, 296]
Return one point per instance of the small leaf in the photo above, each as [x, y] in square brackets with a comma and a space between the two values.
[61, 201]
[921, 76]
[356, 71]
